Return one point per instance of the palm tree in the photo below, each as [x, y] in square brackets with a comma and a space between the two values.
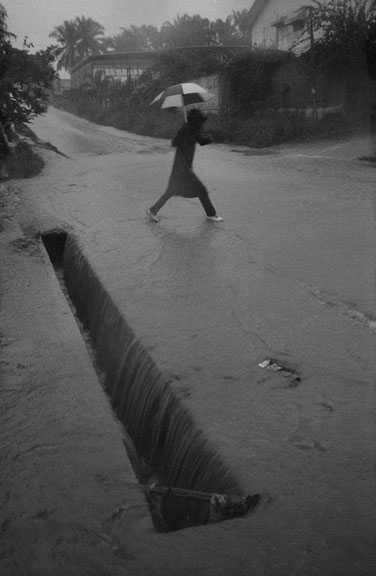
[78, 39]
[67, 35]
[88, 31]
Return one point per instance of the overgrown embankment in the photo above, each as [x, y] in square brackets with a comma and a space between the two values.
[24, 161]
[264, 128]
[264, 98]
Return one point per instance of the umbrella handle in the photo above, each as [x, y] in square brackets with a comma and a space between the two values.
[185, 114]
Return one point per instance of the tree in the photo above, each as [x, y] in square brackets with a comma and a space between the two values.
[183, 31]
[152, 36]
[136, 38]
[341, 35]
[67, 36]
[88, 31]
[78, 39]
[187, 31]
[223, 31]
[5, 35]
[193, 62]
[339, 31]
[25, 79]
[249, 79]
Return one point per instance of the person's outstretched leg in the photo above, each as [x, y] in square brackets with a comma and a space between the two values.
[152, 212]
[211, 213]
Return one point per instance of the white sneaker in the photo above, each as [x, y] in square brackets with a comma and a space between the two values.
[214, 218]
[152, 216]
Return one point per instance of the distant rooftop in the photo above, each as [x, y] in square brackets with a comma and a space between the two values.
[153, 54]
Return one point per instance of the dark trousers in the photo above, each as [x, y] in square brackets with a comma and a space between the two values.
[203, 197]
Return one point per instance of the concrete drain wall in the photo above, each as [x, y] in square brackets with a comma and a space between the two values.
[164, 443]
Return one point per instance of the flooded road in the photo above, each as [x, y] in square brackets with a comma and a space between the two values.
[307, 211]
[288, 275]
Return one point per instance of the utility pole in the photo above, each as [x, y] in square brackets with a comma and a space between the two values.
[313, 69]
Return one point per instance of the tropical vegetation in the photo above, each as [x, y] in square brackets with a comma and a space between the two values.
[342, 38]
[78, 39]
[83, 37]
[26, 79]
[343, 34]
[342, 30]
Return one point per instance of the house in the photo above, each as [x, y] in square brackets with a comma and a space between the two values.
[282, 24]
[123, 66]
[279, 24]
[120, 67]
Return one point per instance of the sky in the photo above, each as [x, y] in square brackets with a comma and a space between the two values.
[37, 18]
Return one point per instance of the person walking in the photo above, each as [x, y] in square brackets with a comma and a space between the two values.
[183, 181]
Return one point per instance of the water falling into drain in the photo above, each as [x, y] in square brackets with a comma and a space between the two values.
[162, 440]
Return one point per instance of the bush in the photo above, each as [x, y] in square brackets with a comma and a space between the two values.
[262, 129]
[249, 79]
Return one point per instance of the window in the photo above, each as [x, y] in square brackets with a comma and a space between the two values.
[298, 25]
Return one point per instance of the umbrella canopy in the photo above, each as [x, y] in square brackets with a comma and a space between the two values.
[181, 95]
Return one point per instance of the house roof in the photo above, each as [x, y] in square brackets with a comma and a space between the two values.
[255, 10]
[300, 14]
[152, 55]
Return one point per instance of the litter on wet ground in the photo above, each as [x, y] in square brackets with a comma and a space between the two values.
[273, 365]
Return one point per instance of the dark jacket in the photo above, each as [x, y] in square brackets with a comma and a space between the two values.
[183, 181]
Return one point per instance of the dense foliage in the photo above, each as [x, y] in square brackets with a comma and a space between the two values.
[78, 39]
[184, 31]
[342, 30]
[249, 80]
[256, 84]
[181, 65]
[25, 79]
[82, 37]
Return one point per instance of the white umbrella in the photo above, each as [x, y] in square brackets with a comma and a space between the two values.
[181, 95]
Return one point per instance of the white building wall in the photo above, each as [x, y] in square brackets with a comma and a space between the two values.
[264, 34]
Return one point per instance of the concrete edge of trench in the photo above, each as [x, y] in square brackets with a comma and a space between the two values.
[65, 472]
[70, 501]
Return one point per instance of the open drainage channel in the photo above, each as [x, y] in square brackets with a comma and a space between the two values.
[185, 482]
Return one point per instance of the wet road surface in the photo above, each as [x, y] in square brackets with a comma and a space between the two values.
[289, 274]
